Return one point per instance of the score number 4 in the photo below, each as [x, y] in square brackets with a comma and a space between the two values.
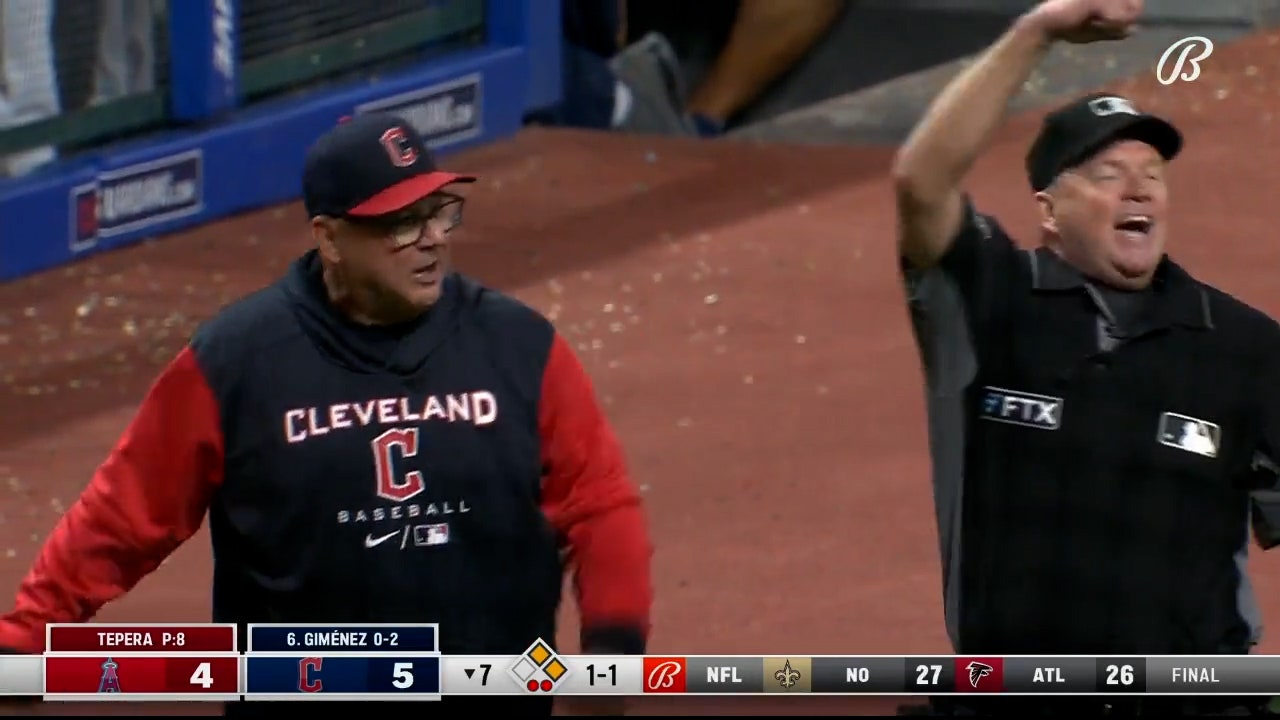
[203, 676]
[220, 675]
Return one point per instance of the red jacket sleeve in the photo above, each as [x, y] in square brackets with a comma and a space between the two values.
[589, 498]
[146, 499]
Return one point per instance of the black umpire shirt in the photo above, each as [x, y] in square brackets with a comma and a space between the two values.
[1094, 455]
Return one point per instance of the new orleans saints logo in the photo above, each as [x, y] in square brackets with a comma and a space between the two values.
[787, 677]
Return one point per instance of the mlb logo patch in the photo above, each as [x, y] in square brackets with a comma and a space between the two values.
[1190, 434]
[1021, 408]
[434, 534]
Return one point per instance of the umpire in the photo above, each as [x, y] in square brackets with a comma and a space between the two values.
[1098, 417]
[375, 438]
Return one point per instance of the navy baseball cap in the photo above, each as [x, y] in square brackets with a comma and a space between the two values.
[372, 164]
[1072, 134]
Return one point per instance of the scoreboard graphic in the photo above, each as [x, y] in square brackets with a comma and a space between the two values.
[373, 662]
[539, 668]
[100, 662]
[348, 662]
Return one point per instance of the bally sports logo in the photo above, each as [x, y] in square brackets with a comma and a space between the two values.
[665, 675]
[136, 197]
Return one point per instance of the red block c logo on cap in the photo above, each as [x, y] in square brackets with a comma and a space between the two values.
[396, 143]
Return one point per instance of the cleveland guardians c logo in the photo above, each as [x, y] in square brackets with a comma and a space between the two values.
[393, 486]
[308, 672]
[396, 142]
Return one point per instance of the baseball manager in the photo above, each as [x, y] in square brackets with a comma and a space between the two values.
[1098, 416]
[375, 438]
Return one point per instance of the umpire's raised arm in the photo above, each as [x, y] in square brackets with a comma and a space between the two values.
[589, 498]
[931, 166]
[148, 497]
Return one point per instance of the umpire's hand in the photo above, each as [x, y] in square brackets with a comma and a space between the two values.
[1085, 21]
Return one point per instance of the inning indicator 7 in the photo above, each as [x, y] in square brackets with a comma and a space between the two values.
[484, 669]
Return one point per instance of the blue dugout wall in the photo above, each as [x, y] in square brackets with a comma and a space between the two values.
[228, 157]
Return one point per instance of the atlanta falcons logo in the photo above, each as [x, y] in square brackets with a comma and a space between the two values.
[977, 671]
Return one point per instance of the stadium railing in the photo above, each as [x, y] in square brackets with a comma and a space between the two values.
[169, 114]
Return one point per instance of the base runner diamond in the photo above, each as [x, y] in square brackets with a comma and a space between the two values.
[539, 670]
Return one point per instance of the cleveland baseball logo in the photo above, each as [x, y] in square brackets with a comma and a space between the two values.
[663, 676]
[977, 671]
[396, 142]
[1202, 46]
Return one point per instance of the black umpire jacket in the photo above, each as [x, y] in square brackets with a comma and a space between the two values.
[1094, 483]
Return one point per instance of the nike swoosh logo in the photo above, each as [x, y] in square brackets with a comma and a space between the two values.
[371, 541]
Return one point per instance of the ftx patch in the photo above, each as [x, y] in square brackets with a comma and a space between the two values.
[1021, 408]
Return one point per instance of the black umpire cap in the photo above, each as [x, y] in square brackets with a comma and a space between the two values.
[1074, 133]
[372, 164]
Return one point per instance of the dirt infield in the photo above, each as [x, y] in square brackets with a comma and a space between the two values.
[739, 309]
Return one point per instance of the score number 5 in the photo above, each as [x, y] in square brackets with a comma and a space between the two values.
[402, 675]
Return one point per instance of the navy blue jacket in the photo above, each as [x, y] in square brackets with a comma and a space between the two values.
[438, 472]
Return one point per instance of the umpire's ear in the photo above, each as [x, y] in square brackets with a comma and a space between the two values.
[1048, 218]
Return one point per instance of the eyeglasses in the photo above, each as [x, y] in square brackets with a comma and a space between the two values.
[403, 230]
